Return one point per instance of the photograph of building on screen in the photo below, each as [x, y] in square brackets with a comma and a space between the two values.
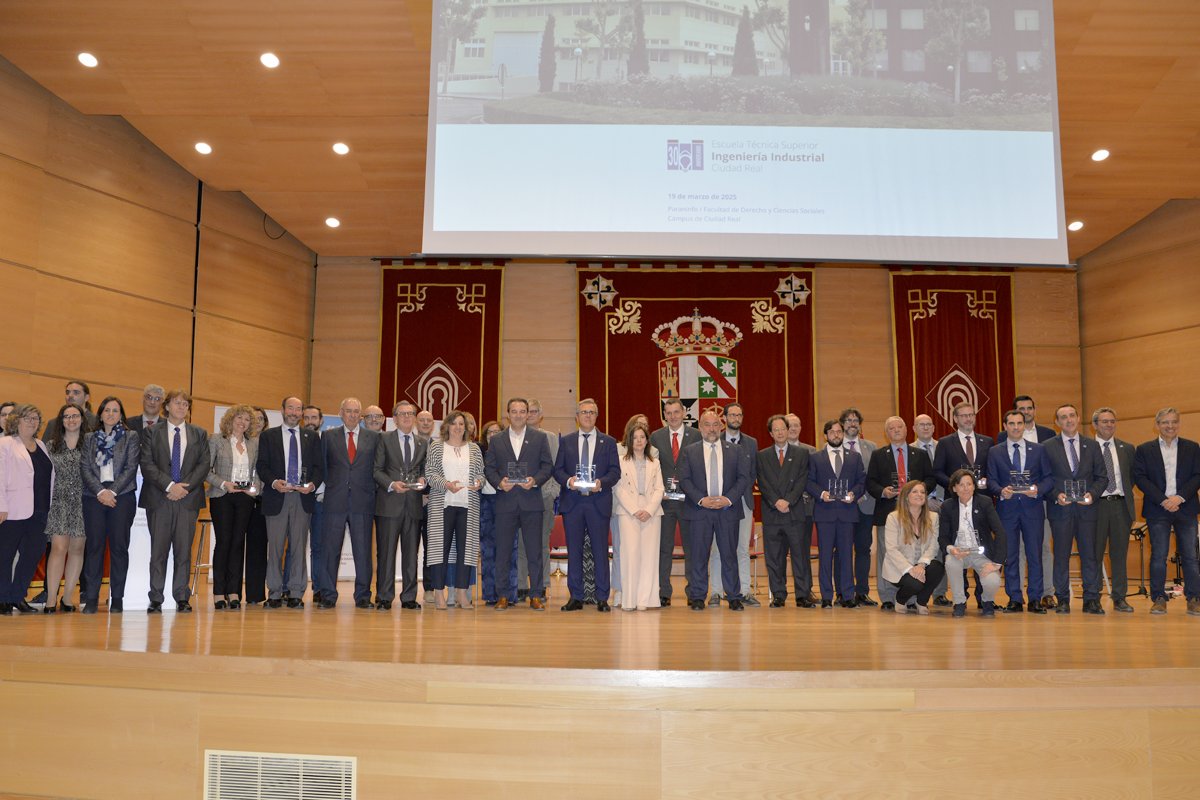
[954, 64]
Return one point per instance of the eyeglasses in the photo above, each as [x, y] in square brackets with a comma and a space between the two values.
[406, 413]
[588, 413]
[155, 397]
[374, 416]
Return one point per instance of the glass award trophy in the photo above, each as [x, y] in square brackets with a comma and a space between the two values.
[414, 482]
[242, 477]
[1020, 481]
[839, 489]
[585, 478]
[1076, 491]
[517, 472]
[968, 540]
[303, 479]
[672, 492]
[896, 481]
[977, 471]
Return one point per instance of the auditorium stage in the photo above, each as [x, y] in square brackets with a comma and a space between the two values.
[673, 703]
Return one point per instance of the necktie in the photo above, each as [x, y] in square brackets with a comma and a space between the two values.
[1072, 456]
[929, 449]
[176, 457]
[901, 472]
[351, 450]
[714, 479]
[586, 458]
[293, 476]
[407, 450]
[837, 462]
[781, 458]
[851, 444]
[1016, 459]
[674, 446]
[150, 423]
[1110, 467]
[733, 441]
[970, 449]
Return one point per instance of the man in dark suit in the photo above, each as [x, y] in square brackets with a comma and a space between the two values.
[152, 405]
[795, 427]
[1036, 433]
[967, 522]
[399, 471]
[890, 467]
[586, 468]
[782, 473]
[1114, 511]
[1033, 431]
[1021, 509]
[713, 475]
[290, 467]
[851, 421]
[79, 393]
[836, 513]
[517, 463]
[670, 440]
[1167, 470]
[735, 415]
[348, 452]
[962, 449]
[1072, 514]
[174, 464]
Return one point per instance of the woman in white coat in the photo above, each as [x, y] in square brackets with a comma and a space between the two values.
[638, 507]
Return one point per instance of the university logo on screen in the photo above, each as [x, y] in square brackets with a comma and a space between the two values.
[685, 156]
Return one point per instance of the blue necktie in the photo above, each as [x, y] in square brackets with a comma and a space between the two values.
[176, 458]
[293, 473]
[1016, 461]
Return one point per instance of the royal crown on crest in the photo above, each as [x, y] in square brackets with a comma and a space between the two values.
[697, 334]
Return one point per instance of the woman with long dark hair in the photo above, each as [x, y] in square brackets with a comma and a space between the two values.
[64, 524]
[109, 470]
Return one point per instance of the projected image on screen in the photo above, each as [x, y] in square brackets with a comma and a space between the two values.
[894, 130]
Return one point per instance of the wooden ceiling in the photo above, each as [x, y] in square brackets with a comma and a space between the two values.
[357, 71]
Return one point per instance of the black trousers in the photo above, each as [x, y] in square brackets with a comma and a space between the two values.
[231, 514]
[107, 527]
[909, 587]
[256, 556]
[781, 540]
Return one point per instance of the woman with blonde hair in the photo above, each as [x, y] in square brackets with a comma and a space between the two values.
[26, 486]
[911, 549]
[233, 485]
[638, 506]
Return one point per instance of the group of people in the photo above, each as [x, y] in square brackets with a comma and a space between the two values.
[925, 513]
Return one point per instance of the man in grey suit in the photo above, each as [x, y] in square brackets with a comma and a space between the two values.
[1114, 510]
[1072, 514]
[670, 441]
[174, 464]
[550, 492]
[735, 415]
[517, 464]
[349, 453]
[851, 420]
[399, 479]
[782, 471]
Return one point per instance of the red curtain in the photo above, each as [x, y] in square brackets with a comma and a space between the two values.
[954, 344]
[440, 340]
[706, 335]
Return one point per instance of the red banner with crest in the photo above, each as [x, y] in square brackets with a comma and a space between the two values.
[705, 335]
[440, 340]
[954, 344]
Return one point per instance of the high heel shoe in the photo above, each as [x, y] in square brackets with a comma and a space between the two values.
[48, 609]
[219, 605]
[464, 600]
[235, 604]
[66, 609]
[439, 599]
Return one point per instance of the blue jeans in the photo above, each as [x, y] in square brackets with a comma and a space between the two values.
[1185, 545]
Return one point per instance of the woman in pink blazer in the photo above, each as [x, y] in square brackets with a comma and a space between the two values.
[26, 486]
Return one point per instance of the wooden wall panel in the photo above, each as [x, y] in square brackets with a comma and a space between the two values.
[1046, 334]
[24, 116]
[254, 285]
[1133, 375]
[348, 300]
[344, 369]
[96, 238]
[20, 210]
[233, 213]
[239, 363]
[540, 352]
[20, 311]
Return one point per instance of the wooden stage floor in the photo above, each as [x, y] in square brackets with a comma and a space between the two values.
[768, 703]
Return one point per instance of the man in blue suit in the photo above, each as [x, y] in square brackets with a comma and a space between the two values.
[1167, 470]
[1021, 509]
[349, 470]
[586, 508]
[713, 475]
[836, 516]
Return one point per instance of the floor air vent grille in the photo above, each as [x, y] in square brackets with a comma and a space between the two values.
[237, 775]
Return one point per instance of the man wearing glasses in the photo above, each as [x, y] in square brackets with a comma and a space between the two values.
[152, 406]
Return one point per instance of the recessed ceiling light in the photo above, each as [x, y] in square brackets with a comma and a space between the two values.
[269, 60]
[1100, 155]
[203, 148]
[1075, 226]
[88, 60]
[341, 148]
[333, 222]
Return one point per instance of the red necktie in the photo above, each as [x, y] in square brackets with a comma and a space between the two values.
[900, 471]
[350, 448]
[674, 446]
[781, 458]
[971, 449]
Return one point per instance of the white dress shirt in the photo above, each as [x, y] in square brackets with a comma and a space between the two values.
[708, 451]
[1112, 447]
[1170, 456]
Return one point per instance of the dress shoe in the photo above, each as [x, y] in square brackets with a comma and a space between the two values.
[664, 601]
[154, 608]
[572, 605]
[275, 603]
[779, 602]
[1092, 607]
[1122, 606]
[522, 596]
[806, 602]
[960, 609]
[116, 605]
[6, 609]
[383, 605]
[66, 609]
[91, 607]
[502, 604]
[736, 605]
[751, 600]
[988, 610]
[220, 605]
[49, 609]
[183, 607]
[887, 605]
[537, 604]
[603, 607]
[327, 603]
[850, 604]
[24, 608]
[1049, 601]
[410, 605]
[295, 602]
[364, 603]
[1193, 607]
[696, 605]
[864, 600]
[715, 600]
[942, 601]
[1159, 607]
[1014, 607]
[1063, 607]
[1037, 608]
[235, 604]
